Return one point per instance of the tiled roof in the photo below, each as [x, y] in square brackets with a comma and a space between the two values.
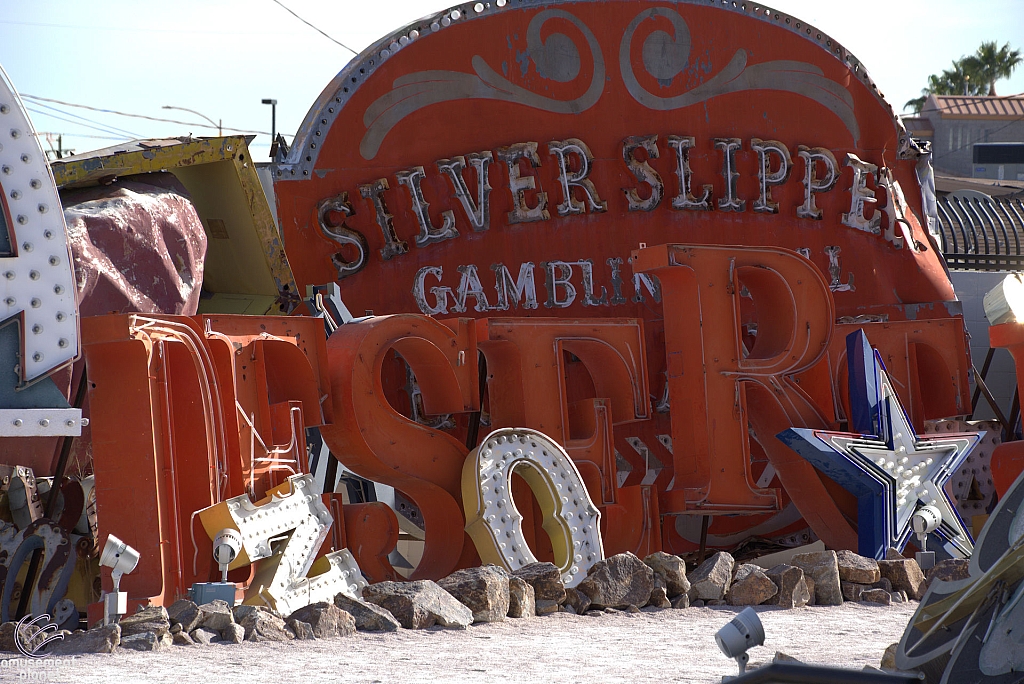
[971, 106]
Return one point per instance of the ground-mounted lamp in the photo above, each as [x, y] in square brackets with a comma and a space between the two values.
[121, 559]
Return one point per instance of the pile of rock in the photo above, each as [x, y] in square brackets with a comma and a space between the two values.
[820, 578]
[620, 583]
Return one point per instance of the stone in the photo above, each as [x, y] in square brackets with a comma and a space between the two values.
[303, 630]
[823, 568]
[567, 609]
[262, 625]
[150, 619]
[852, 590]
[577, 600]
[781, 657]
[897, 597]
[905, 575]
[711, 580]
[326, 619]
[522, 601]
[856, 568]
[697, 603]
[880, 596]
[369, 617]
[792, 588]
[893, 554]
[659, 598]
[545, 607]
[545, 579]
[619, 580]
[166, 640]
[141, 641]
[175, 628]
[594, 613]
[233, 633]
[185, 613]
[632, 610]
[181, 638]
[889, 657]
[7, 630]
[751, 586]
[419, 604]
[681, 601]
[215, 615]
[102, 639]
[809, 583]
[904, 595]
[672, 571]
[715, 602]
[948, 570]
[484, 591]
[204, 635]
[883, 583]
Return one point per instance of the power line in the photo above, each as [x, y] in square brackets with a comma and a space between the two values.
[138, 29]
[77, 123]
[138, 116]
[315, 28]
[80, 135]
[111, 129]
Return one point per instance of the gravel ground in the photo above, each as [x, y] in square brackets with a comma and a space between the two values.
[664, 645]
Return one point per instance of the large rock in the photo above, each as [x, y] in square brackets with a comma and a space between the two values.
[809, 583]
[150, 619]
[485, 591]
[681, 601]
[889, 657]
[672, 570]
[522, 598]
[855, 568]
[326, 619]
[181, 638]
[215, 615]
[102, 639]
[905, 575]
[792, 588]
[142, 641]
[751, 587]
[262, 625]
[823, 568]
[659, 599]
[7, 640]
[185, 613]
[711, 580]
[852, 591]
[545, 580]
[233, 633]
[204, 636]
[618, 581]
[876, 596]
[369, 617]
[420, 604]
[577, 600]
[545, 607]
[303, 631]
[948, 570]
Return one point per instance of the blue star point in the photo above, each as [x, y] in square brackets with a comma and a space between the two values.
[892, 472]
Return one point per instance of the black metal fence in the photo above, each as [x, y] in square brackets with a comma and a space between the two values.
[981, 234]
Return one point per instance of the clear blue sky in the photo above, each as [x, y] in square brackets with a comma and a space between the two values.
[221, 57]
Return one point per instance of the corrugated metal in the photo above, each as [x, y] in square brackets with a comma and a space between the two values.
[982, 234]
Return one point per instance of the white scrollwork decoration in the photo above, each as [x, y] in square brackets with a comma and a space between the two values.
[556, 59]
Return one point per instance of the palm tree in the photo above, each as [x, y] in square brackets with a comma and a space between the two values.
[971, 75]
[991, 63]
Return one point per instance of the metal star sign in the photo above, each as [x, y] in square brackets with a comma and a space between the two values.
[892, 471]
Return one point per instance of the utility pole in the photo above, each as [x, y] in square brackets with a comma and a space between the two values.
[273, 125]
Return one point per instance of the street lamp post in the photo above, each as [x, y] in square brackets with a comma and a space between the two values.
[216, 123]
[273, 124]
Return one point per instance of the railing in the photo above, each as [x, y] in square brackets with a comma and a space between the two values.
[981, 234]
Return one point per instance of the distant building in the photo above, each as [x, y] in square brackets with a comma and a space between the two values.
[962, 130]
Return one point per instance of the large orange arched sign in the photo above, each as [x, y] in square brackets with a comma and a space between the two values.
[513, 159]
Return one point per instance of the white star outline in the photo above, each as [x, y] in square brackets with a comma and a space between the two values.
[912, 469]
